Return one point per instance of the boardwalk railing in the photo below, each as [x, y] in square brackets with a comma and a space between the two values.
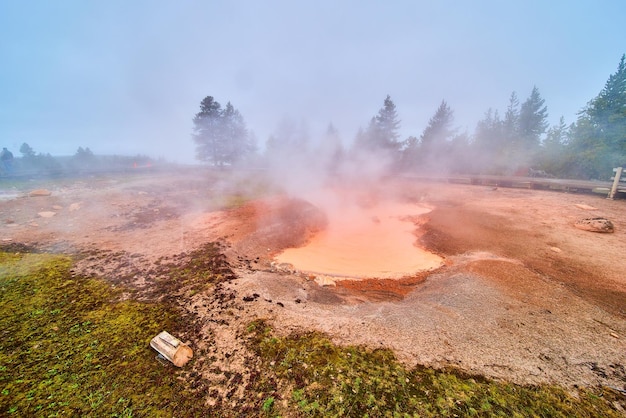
[566, 185]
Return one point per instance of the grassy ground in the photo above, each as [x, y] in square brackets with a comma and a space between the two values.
[70, 347]
[312, 376]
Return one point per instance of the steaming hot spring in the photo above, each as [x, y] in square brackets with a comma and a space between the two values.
[363, 238]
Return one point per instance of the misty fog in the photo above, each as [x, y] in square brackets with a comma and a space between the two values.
[127, 79]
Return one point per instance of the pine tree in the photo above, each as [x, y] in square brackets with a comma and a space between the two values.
[387, 124]
[439, 129]
[557, 136]
[27, 151]
[431, 151]
[382, 131]
[207, 128]
[598, 140]
[488, 147]
[236, 142]
[550, 159]
[533, 122]
[220, 134]
[510, 124]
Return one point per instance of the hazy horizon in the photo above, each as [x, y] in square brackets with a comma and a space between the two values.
[127, 78]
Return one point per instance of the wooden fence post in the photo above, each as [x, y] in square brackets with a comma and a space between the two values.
[616, 179]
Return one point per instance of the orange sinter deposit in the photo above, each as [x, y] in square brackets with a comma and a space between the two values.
[365, 241]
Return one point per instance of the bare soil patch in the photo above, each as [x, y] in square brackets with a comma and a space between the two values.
[523, 295]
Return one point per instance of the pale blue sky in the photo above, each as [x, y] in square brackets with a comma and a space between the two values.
[127, 77]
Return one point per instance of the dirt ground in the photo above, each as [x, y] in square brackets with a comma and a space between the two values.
[523, 295]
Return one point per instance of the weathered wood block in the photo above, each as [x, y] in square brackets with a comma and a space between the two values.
[172, 348]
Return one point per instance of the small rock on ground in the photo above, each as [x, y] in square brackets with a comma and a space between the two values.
[46, 214]
[40, 192]
[595, 225]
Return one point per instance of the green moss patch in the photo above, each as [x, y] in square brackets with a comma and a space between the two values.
[70, 347]
[317, 378]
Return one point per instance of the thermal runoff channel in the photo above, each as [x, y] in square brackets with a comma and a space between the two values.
[364, 238]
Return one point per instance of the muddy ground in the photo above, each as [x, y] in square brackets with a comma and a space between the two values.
[522, 296]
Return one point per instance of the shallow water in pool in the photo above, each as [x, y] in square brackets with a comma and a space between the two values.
[375, 241]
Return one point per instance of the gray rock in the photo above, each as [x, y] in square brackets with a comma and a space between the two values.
[595, 225]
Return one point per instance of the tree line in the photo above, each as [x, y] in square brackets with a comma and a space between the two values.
[31, 163]
[517, 142]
